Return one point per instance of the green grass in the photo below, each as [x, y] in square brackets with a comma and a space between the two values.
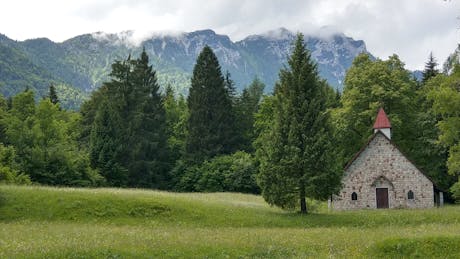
[38, 222]
[426, 247]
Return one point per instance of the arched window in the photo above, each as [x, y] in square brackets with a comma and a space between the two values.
[354, 196]
[410, 195]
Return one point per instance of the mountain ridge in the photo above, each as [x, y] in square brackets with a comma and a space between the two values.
[84, 61]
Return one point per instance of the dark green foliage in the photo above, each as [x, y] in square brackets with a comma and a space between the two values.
[333, 97]
[230, 86]
[176, 131]
[105, 146]
[5, 105]
[211, 122]
[430, 68]
[455, 189]
[247, 106]
[176, 122]
[126, 123]
[88, 111]
[425, 150]
[227, 173]
[263, 120]
[53, 95]
[296, 156]
[9, 170]
[147, 144]
[185, 176]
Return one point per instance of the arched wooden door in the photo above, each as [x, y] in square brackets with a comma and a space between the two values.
[381, 195]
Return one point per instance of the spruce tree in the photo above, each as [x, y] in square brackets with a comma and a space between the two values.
[147, 143]
[211, 120]
[230, 86]
[128, 142]
[53, 95]
[430, 68]
[246, 108]
[105, 145]
[108, 115]
[296, 160]
[176, 121]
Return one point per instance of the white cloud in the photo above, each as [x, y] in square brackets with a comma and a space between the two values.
[409, 28]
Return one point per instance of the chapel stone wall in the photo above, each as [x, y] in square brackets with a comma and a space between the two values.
[382, 165]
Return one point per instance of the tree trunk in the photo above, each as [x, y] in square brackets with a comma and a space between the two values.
[303, 202]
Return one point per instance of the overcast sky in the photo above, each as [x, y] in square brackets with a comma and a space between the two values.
[409, 28]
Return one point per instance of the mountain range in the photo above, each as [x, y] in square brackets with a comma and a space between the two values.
[81, 64]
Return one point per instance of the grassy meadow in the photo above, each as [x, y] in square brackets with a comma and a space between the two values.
[37, 222]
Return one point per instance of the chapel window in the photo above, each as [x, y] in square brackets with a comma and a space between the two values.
[354, 196]
[410, 195]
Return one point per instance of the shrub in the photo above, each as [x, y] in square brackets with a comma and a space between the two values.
[187, 177]
[225, 173]
[234, 173]
[455, 190]
[8, 172]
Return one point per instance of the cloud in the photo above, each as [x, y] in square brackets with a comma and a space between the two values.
[409, 28]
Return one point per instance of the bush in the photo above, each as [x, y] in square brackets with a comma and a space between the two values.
[185, 177]
[8, 172]
[233, 173]
[455, 190]
[242, 174]
[226, 173]
[11, 176]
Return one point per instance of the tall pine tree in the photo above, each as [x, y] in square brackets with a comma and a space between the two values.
[430, 68]
[176, 121]
[246, 108]
[109, 121]
[128, 142]
[53, 95]
[296, 159]
[148, 150]
[211, 119]
[105, 144]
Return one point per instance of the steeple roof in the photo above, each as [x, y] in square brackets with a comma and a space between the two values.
[382, 121]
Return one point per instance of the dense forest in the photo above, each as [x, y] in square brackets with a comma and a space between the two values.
[131, 134]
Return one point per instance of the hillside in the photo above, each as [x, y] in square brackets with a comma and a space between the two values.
[84, 61]
[67, 222]
[18, 71]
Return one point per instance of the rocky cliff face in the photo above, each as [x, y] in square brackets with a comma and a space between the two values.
[257, 55]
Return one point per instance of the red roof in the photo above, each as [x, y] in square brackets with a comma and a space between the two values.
[382, 121]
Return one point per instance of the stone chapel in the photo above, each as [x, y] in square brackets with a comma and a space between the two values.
[381, 176]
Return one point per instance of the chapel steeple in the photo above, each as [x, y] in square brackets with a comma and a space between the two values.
[382, 123]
